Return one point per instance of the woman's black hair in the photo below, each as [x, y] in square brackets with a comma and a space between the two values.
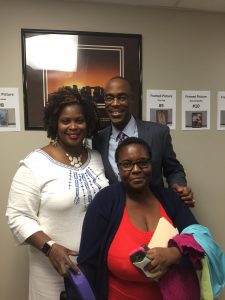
[129, 141]
[68, 96]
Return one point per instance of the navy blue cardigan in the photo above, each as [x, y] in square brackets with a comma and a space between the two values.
[101, 222]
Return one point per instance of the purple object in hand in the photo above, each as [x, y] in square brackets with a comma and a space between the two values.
[81, 285]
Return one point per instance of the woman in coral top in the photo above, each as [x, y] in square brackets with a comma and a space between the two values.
[121, 218]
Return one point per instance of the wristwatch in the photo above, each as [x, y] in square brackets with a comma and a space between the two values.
[47, 247]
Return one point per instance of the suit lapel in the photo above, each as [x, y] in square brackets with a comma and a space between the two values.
[144, 131]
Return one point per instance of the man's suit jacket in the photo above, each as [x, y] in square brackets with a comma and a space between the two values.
[164, 162]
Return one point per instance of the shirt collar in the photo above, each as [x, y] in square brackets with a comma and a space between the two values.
[129, 130]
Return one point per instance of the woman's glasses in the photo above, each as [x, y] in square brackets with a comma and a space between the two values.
[128, 165]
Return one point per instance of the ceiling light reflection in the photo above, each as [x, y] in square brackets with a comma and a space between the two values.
[52, 52]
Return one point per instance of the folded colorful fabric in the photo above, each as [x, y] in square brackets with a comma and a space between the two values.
[189, 248]
[214, 253]
[181, 281]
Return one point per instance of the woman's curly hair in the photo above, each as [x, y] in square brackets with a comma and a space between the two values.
[67, 96]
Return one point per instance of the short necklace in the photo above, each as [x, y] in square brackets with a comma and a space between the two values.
[75, 161]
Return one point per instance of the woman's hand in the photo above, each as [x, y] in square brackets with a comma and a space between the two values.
[161, 259]
[59, 257]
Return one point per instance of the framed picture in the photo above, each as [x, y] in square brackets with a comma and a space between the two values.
[197, 119]
[85, 60]
[162, 116]
[3, 117]
[222, 117]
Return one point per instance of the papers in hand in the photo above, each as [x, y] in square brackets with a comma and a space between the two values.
[163, 233]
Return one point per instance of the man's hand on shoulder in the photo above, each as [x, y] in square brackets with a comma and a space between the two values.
[185, 194]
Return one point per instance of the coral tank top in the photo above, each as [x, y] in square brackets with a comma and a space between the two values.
[126, 282]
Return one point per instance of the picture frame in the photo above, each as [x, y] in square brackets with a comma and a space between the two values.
[162, 116]
[4, 117]
[86, 60]
[197, 120]
[222, 118]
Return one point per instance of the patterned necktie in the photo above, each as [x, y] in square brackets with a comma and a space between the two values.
[121, 137]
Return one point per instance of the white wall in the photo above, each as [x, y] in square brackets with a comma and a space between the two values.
[181, 51]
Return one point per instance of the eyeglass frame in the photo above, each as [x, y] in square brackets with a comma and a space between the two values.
[133, 163]
[121, 98]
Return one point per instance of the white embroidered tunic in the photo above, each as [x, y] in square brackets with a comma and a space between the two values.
[52, 197]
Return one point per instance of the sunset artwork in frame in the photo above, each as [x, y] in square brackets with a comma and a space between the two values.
[84, 60]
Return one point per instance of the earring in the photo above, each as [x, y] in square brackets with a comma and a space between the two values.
[54, 142]
[85, 143]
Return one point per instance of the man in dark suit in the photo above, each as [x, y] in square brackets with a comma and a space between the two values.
[118, 96]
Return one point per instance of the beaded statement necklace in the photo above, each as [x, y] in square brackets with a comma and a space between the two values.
[75, 161]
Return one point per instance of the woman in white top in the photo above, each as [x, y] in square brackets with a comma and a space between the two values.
[51, 190]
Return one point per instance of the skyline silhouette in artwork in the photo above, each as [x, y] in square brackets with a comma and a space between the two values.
[95, 94]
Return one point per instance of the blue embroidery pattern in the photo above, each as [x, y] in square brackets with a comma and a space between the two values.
[86, 185]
